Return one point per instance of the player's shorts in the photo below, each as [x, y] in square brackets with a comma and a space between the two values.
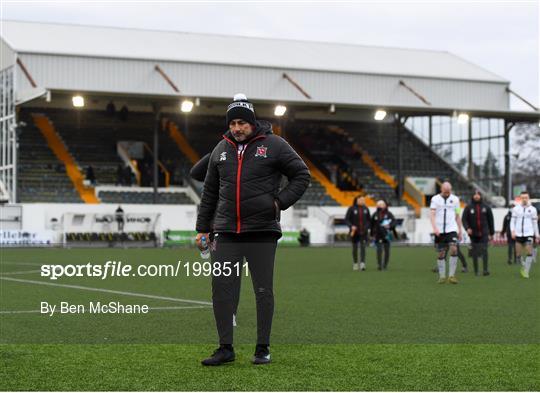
[525, 239]
[444, 240]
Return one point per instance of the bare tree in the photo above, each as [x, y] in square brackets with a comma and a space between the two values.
[526, 157]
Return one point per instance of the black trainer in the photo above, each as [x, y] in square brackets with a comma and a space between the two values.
[486, 273]
[220, 356]
[262, 355]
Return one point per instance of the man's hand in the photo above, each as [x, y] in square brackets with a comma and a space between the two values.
[437, 232]
[460, 236]
[513, 235]
[469, 231]
[490, 238]
[198, 239]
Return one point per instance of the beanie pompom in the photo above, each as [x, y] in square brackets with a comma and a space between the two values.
[240, 97]
[241, 108]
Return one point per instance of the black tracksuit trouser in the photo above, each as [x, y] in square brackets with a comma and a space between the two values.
[511, 250]
[359, 240]
[258, 248]
[480, 250]
[383, 247]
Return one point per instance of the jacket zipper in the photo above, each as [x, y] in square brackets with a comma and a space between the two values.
[240, 159]
[478, 219]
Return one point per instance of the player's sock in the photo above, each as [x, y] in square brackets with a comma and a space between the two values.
[441, 265]
[528, 262]
[522, 261]
[452, 265]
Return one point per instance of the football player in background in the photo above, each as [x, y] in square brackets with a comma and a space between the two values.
[524, 226]
[446, 224]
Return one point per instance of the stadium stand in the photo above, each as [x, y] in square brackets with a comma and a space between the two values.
[334, 155]
[91, 137]
[166, 198]
[202, 132]
[315, 195]
[42, 177]
[89, 126]
[206, 131]
[378, 139]
[92, 143]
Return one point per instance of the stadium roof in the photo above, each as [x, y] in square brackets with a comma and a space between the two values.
[125, 43]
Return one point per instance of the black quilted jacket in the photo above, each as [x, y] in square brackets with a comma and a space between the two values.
[240, 188]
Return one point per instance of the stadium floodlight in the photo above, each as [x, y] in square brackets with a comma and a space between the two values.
[280, 110]
[186, 106]
[78, 101]
[463, 118]
[380, 115]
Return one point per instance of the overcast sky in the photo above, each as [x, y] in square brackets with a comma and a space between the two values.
[499, 36]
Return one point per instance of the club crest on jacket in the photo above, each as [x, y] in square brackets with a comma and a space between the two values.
[261, 151]
[223, 156]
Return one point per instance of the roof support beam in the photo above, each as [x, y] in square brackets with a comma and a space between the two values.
[25, 72]
[521, 98]
[166, 77]
[298, 87]
[508, 125]
[414, 92]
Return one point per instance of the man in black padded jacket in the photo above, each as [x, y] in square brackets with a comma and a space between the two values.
[242, 200]
[477, 220]
[198, 172]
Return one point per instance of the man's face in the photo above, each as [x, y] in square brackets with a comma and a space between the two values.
[240, 129]
[446, 190]
[361, 201]
[524, 199]
[381, 205]
[477, 197]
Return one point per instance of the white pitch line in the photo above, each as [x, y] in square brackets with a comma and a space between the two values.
[176, 308]
[20, 263]
[150, 308]
[173, 299]
[20, 272]
[19, 312]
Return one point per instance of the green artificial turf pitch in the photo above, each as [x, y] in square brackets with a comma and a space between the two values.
[334, 328]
